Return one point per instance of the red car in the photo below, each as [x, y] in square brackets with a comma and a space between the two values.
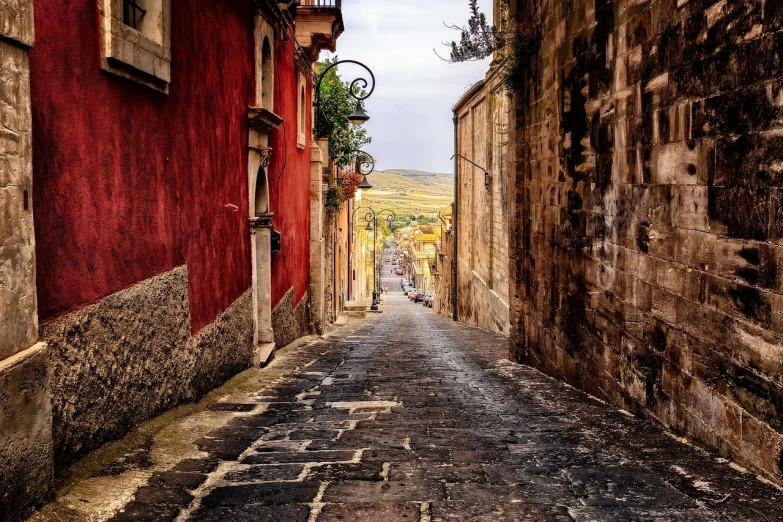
[398, 271]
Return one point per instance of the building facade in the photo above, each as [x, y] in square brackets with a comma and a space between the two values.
[481, 204]
[644, 201]
[172, 148]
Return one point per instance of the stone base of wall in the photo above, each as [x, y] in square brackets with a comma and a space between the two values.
[479, 305]
[25, 433]
[130, 357]
[290, 321]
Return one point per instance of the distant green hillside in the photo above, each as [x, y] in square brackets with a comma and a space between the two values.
[410, 192]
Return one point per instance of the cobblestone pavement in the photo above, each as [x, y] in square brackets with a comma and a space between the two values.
[409, 416]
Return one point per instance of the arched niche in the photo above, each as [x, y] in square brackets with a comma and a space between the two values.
[261, 206]
[267, 76]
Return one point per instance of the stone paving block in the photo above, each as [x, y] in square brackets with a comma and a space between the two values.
[489, 511]
[309, 456]
[197, 465]
[313, 434]
[255, 421]
[224, 449]
[507, 474]
[264, 494]
[391, 455]
[478, 457]
[253, 513]
[371, 512]
[624, 486]
[376, 439]
[177, 480]
[163, 496]
[620, 514]
[414, 490]
[332, 472]
[265, 473]
[142, 512]
[404, 471]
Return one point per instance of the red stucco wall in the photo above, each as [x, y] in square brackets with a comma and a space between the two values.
[290, 194]
[130, 182]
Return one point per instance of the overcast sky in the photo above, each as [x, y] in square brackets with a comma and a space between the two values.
[411, 123]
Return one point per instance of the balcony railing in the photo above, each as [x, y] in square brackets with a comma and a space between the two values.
[322, 3]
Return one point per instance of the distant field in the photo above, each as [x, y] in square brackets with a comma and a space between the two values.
[409, 191]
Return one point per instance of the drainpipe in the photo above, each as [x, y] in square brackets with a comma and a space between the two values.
[454, 219]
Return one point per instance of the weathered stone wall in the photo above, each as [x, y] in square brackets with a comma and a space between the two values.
[482, 293]
[26, 468]
[18, 308]
[646, 230]
[290, 320]
[443, 303]
[130, 357]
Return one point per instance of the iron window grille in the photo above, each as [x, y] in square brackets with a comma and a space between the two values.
[131, 10]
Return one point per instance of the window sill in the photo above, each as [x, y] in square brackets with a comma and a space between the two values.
[130, 54]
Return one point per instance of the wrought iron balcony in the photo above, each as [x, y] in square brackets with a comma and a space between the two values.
[322, 3]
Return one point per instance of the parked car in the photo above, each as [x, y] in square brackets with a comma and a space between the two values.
[398, 271]
[429, 297]
[419, 296]
[409, 290]
[404, 283]
[412, 295]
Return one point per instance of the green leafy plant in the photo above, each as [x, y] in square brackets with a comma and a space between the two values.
[479, 40]
[337, 104]
[333, 198]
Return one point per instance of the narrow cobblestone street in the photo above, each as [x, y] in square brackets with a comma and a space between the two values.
[407, 416]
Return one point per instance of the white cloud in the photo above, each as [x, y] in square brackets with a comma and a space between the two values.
[411, 114]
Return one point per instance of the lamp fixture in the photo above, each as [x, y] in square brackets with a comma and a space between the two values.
[359, 116]
[358, 91]
[364, 185]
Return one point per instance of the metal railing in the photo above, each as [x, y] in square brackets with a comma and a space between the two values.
[322, 3]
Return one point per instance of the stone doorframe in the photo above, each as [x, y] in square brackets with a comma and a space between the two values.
[261, 123]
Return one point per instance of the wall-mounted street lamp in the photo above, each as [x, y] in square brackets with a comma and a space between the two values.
[357, 90]
[365, 166]
[487, 177]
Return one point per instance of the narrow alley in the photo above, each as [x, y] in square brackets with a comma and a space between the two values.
[406, 415]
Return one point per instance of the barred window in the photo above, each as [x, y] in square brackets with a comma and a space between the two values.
[132, 12]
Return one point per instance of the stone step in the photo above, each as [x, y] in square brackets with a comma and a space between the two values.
[356, 314]
[263, 355]
[355, 307]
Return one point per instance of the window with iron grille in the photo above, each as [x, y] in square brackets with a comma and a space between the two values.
[132, 13]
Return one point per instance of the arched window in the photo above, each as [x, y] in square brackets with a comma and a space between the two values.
[267, 76]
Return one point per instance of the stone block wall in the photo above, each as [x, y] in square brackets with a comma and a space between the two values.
[646, 239]
[18, 307]
[482, 264]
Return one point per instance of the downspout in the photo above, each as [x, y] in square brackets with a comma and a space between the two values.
[454, 219]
